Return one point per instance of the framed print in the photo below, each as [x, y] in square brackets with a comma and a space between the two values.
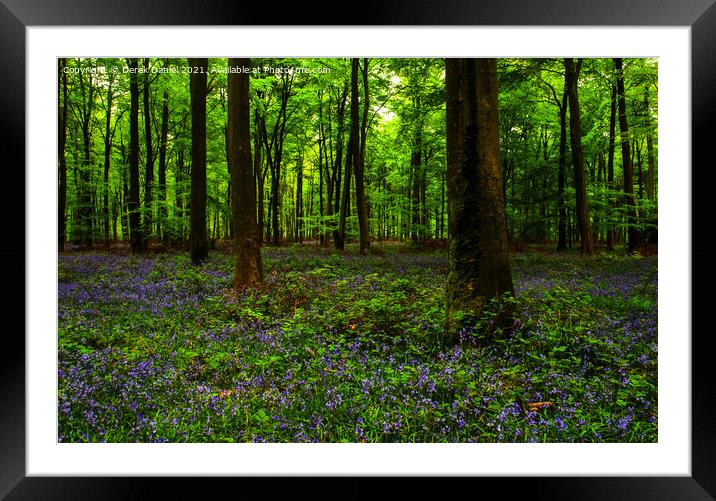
[677, 464]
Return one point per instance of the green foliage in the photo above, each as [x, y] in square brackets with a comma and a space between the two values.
[341, 348]
[406, 121]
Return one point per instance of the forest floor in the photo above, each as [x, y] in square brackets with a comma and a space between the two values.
[342, 348]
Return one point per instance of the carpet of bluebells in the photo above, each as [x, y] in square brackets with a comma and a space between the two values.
[343, 348]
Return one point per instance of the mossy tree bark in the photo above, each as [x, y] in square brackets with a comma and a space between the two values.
[247, 237]
[479, 267]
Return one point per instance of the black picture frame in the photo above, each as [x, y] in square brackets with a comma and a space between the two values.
[17, 15]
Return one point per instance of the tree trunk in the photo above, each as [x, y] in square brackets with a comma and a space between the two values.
[86, 207]
[135, 232]
[442, 205]
[610, 164]
[562, 222]
[258, 174]
[149, 156]
[415, 161]
[115, 207]
[338, 163]
[640, 175]
[479, 266]
[601, 167]
[162, 226]
[277, 139]
[649, 152]
[359, 151]
[575, 135]
[107, 158]
[197, 233]
[345, 196]
[632, 232]
[321, 147]
[179, 177]
[247, 238]
[61, 142]
[298, 235]
[276, 205]
[125, 192]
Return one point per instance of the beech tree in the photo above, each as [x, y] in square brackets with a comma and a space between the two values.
[575, 139]
[61, 141]
[632, 231]
[359, 149]
[350, 156]
[199, 247]
[247, 238]
[479, 267]
[133, 206]
[83, 110]
[148, 153]
[610, 158]
[162, 195]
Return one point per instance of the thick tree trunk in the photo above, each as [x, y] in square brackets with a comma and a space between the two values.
[162, 224]
[133, 207]
[575, 135]
[633, 232]
[61, 142]
[479, 266]
[197, 233]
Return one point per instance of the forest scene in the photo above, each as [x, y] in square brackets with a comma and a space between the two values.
[357, 250]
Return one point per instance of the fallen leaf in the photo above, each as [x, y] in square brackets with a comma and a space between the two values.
[533, 406]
